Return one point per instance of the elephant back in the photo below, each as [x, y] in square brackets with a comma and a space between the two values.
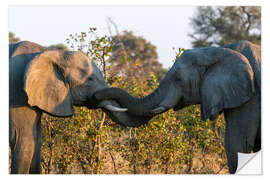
[253, 53]
[24, 47]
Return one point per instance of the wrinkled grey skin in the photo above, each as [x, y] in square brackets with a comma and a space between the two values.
[51, 81]
[222, 79]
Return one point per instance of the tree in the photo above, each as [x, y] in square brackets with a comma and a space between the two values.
[223, 25]
[59, 46]
[12, 38]
[88, 142]
[130, 50]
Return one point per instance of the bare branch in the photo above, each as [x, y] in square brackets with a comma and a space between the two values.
[118, 38]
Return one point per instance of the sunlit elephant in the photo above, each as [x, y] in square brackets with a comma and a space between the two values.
[24, 47]
[52, 81]
[222, 79]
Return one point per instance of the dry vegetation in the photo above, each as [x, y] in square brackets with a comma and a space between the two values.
[90, 143]
[171, 143]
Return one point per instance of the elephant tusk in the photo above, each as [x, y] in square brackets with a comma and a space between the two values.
[158, 110]
[114, 108]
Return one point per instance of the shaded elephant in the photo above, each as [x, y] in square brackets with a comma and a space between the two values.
[222, 79]
[52, 81]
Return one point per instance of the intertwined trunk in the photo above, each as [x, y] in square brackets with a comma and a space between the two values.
[139, 109]
[135, 106]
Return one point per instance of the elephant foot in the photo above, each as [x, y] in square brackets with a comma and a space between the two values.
[232, 163]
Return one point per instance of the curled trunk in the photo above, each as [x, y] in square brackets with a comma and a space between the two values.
[135, 106]
[126, 119]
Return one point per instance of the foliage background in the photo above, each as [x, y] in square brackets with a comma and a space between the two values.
[171, 143]
[217, 26]
[89, 142]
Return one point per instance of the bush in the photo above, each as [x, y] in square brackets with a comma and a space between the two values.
[89, 142]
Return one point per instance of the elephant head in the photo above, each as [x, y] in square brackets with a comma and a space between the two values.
[216, 78]
[54, 81]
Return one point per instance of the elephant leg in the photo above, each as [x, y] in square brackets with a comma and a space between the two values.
[257, 145]
[37, 132]
[24, 138]
[232, 144]
[242, 127]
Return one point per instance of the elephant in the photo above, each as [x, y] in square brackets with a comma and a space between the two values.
[221, 79]
[24, 47]
[51, 81]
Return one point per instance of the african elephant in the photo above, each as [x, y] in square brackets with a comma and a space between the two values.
[24, 47]
[51, 81]
[222, 79]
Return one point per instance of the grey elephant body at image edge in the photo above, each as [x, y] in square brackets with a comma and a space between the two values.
[222, 79]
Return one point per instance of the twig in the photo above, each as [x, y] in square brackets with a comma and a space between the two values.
[221, 168]
[114, 164]
[118, 38]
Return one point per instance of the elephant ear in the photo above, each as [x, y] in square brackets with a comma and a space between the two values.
[45, 86]
[227, 83]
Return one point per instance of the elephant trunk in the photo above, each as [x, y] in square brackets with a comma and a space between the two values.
[136, 106]
[127, 119]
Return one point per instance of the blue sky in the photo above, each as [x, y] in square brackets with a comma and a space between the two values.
[164, 26]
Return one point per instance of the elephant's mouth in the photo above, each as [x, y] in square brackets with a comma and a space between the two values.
[91, 103]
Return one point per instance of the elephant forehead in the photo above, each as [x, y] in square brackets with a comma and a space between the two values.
[184, 62]
[80, 61]
[76, 60]
[79, 72]
[191, 56]
[78, 67]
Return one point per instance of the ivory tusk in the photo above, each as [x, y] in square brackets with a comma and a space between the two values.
[114, 108]
[158, 110]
